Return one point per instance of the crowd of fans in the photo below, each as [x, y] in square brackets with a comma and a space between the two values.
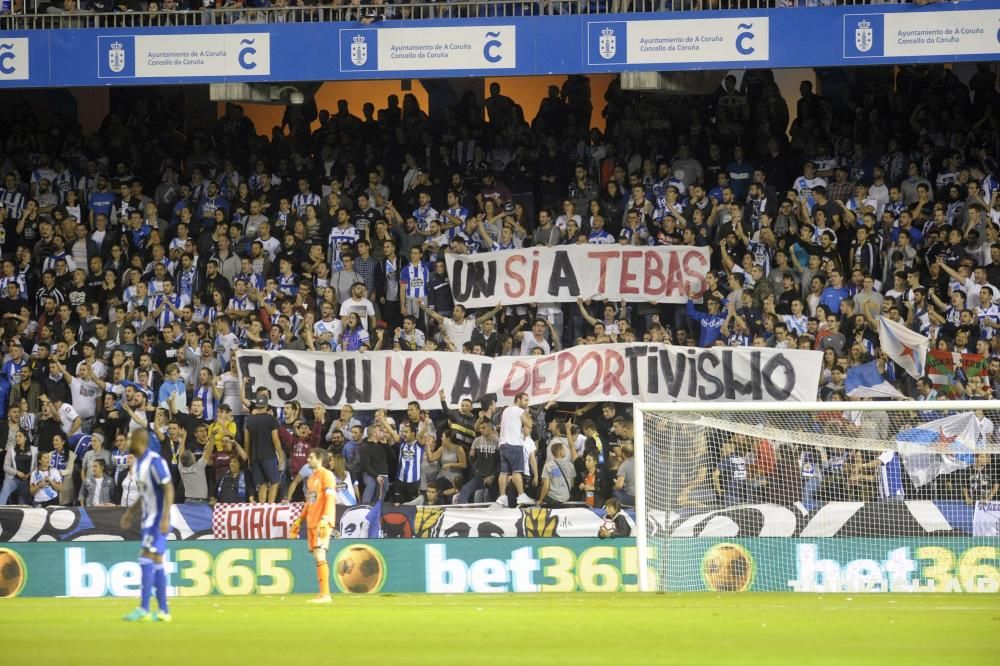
[137, 261]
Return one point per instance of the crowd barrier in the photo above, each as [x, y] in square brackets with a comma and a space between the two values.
[273, 521]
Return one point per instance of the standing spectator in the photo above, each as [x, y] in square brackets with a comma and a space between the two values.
[19, 461]
[99, 489]
[558, 478]
[263, 446]
[411, 457]
[375, 464]
[624, 489]
[513, 422]
[485, 458]
[192, 473]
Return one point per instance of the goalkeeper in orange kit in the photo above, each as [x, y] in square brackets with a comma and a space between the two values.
[320, 517]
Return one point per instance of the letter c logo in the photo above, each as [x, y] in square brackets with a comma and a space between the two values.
[6, 58]
[245, 53]
[489, 49]
[744, 37]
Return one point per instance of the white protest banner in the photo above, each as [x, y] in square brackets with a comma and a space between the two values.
[660, 274]
[589, 373]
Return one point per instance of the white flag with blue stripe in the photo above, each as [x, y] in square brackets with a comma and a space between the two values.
[939, 447]
[907, 348]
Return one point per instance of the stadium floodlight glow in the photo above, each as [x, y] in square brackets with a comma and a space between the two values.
[818, 497]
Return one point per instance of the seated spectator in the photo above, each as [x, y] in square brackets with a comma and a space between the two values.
[45, 482]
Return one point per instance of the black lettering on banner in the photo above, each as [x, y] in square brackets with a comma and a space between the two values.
[326, 397]
[246, 362]
[692, 363]
[633, 354]
[355, 394]
[480, 280]
[708, 375]
[286, 387]
[756, 389]
[470, 381]
[563, 276]
[775, 363]
[671, 379]
[731, 384]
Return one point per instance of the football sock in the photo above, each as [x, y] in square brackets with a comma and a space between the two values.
[146, 566]
[160, 581]
[323, 574]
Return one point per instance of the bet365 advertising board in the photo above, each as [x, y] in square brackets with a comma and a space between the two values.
[834, 565]
[98, 569]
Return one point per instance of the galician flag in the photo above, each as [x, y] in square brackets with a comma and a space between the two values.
[907, 348]
[942, 446]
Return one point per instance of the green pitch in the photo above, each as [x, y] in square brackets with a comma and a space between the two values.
[515, 629]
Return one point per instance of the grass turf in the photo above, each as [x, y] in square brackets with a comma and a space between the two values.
[508, 629]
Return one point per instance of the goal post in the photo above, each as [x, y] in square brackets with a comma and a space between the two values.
[821, 496]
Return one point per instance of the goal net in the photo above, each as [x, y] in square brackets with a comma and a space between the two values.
[819, 497]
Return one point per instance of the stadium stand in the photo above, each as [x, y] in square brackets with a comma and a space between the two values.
[138, 259]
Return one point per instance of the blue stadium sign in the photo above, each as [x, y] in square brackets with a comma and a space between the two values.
[814, 37]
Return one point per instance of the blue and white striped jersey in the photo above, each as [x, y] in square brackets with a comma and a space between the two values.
[410, 455]
[151, 474]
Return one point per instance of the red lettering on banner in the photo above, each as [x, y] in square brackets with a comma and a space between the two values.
[538, 386]
[435, 385]
[565, 367]
[391, 384]
[509, 389]
[255, 521]
[278, 523]
[653, 269]
[692, 257]
[514, 275]
[234, 524]
[533, 287]
[614, 366]
[625, 285]
[603, 257]
[675, 277]
[598, 373]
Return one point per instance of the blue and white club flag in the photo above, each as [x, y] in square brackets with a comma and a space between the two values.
[865, 381]
[907, 348]
[939, 447]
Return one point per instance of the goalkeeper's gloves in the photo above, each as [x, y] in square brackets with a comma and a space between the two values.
[293, 531]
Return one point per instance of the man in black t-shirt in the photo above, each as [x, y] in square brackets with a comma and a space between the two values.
[260, 439]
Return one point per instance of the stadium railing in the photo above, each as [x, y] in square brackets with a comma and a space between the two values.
[41, 15]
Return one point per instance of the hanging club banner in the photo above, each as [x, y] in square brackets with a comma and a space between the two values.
[589, 373]
[661, 274]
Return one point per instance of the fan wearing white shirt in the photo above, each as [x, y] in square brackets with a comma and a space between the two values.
[458, 328]
[359, 304]
[329, 327]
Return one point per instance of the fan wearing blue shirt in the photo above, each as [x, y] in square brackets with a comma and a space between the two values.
[833, 294]
[101, 201]
[212, 202]
[710, 322]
